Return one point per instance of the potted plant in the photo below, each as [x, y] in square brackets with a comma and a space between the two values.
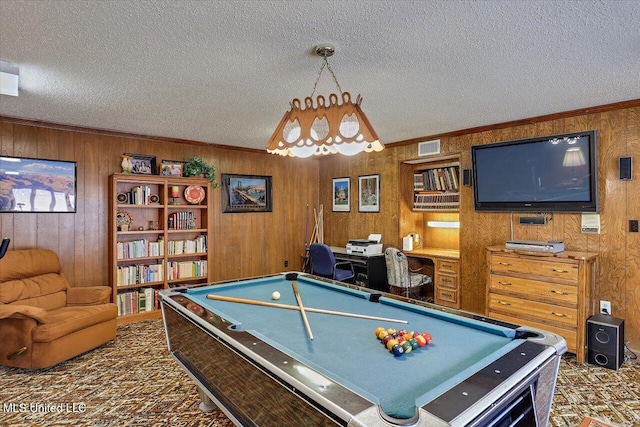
[196, 166]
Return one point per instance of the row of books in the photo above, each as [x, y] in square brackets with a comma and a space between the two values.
[196, 246]
[186, 269]
[139, 273]
[437, 179]
[139, 249]
[182, 221]
[141, 195]
[436, 201]
[133, 302]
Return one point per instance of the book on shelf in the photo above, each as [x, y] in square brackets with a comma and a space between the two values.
[186, 269]
[437, 179]
[134, 302]
[140, 195]
[195, 246]
[181, 221]
[140, 249]
[436, 201]
[139, 273]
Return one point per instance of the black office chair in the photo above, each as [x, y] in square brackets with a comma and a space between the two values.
[323, 263]
[4, 246]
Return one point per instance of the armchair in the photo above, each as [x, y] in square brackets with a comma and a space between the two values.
[43, 320]
[401, 277]
[323, 263]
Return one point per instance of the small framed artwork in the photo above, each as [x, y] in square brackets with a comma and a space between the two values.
[37, 185]
[341, 194]
[142, 164]
[171, 168]
[246, 193]
[369, 193]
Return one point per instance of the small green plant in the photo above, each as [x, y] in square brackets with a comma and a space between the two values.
[196, 166]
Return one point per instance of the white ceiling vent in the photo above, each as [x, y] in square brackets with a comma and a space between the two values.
[429, 147]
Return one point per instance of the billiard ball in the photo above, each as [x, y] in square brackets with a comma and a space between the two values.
[392, 343]
[275, 295]
[421, 341]
[414, 343]
[398, 350]
[379, 329]
[427, 336]
[407, 347]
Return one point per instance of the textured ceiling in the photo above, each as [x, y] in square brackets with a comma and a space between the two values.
[225, 71]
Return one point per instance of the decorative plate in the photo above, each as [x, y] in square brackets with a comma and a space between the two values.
[154, 198]
[123, 218]
[123, 198]
[194, 194]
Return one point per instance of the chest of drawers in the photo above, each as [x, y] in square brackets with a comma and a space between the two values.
[548, 291]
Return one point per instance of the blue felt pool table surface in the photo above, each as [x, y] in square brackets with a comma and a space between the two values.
[346, 349]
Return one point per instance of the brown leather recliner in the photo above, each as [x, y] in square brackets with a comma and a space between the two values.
[43, 320]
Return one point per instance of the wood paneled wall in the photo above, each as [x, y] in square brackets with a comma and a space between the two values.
[243, 244]
[618, 271]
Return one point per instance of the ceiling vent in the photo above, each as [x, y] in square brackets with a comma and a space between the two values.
[428, 148]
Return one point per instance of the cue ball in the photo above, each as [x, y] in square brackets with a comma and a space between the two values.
[275, 295]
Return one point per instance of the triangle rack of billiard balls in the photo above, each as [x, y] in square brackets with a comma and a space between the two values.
[402, 342]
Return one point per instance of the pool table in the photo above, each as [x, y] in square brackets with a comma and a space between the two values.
[261, 366]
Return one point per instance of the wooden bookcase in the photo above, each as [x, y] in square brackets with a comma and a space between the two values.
[155, 240]
[436, 186]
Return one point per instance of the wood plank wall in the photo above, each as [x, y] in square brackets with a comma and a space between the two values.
[618, 276]
[244, 244]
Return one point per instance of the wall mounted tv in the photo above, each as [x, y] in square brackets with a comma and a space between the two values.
[548, 174]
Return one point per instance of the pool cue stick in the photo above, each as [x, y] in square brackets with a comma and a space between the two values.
[302, 312]
[295, 307]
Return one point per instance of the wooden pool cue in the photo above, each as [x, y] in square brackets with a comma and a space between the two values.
[295, 307]
[302, 312]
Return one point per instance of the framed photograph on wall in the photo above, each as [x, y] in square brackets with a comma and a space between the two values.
[37, 185]
[342, 194]
[246, 193]
[142, 164]
[171, 167]
[369, 193]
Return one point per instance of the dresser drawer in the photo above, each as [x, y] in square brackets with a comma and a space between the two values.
[544, 268]
[553, 293]
[448, 297]
[533, 310]
[447, 266]
[570, 335]
[446, 281]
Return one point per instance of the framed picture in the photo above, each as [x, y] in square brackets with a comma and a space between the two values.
[341, 194]
[37, 185]
[171, 167]
[142, 164]
[246, 193]
[369, 193]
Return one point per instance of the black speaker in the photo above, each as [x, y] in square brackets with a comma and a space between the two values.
[605, 341]
[466, 177]
[625, 167]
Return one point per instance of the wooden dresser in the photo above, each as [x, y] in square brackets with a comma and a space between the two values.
[547, 291]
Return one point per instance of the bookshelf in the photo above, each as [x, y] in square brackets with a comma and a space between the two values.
[159, 230]
[436, 187]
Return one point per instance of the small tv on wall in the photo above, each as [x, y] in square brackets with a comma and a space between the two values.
[37, 185]
[549, 174]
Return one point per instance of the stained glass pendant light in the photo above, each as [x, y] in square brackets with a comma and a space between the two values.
[321, 128]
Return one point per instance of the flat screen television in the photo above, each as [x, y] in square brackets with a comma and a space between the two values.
[548, 174]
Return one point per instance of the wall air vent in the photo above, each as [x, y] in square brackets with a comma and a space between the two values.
[428, 148]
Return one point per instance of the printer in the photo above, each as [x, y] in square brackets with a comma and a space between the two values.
[369, 246]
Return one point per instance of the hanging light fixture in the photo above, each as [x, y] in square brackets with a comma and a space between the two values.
[317, 129]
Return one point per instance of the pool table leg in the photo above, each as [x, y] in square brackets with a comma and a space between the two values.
[206, 404]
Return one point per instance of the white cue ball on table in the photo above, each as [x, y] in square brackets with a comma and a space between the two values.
[275, 295]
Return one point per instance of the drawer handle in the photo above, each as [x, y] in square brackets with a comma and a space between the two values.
[446, 265]
[508, 264]
[500, 282]
[559, 292]
[444, 294]
[503, 303]
[446, 280]
[557, 270]
[558, 314]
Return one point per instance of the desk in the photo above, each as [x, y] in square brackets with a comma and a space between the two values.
[374, 266]
[446, 271]
[259, 366]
